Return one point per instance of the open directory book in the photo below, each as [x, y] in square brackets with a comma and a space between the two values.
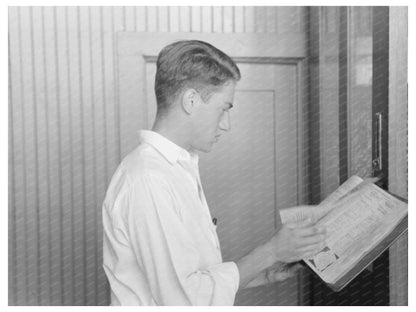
[361, 220]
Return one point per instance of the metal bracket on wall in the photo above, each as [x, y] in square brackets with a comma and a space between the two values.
[377, 161]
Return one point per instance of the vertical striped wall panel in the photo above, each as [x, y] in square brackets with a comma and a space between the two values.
[64, 138]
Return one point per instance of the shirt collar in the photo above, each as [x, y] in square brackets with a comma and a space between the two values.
[171, 151]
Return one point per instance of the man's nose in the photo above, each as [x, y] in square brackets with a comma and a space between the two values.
[225, 124]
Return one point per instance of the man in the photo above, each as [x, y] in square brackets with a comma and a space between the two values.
[160, 245]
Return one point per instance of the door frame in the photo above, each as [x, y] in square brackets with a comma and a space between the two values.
[397, 153]
[135, 49]
[390, 87]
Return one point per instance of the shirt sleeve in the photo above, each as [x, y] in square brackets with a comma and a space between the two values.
[168, 255]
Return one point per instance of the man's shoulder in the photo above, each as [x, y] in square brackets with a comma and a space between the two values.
[141, 166]
[144, 161]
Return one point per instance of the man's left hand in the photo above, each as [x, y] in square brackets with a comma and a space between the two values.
[281, 271]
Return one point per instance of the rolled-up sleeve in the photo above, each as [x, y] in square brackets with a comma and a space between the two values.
[168, 255]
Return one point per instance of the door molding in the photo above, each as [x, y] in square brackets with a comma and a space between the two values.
[398, 139]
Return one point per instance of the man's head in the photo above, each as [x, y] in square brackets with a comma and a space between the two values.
[198, 79]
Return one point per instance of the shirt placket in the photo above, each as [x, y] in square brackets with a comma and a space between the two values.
[192, 169]
[206, 210]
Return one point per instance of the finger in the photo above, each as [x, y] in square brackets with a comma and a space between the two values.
[283, 275]
[311, 240]
[301, 224]
[310, 230]
[274, 276]
[311, 251]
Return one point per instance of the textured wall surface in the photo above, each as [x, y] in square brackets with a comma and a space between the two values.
[64, 139]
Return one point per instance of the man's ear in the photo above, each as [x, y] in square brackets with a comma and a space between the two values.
[189, 98]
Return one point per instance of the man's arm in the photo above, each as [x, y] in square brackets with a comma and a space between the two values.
[276, 273]
[291, 243]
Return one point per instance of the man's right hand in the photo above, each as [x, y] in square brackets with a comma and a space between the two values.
[296, 241]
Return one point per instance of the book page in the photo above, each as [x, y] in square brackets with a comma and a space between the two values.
[342, 190]
[296, 214]
[357, 223]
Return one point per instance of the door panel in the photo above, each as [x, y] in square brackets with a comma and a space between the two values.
[239, 175]
[256, 168]
[253, 170]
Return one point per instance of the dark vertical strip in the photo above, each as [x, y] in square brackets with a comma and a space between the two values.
[179, 19]
[81, 103]
[104, 84]
[313, 71]
[104, 115]
[168, 20]
[190, 19]
[191, 26]
[222, 19]
[124, 19]
[380, 104]
[117, 100]
[146, 19]
[381, 84]
[276, 20]
[45, 82]
[343, 95]
[314, 35]
[134, 15]
[94, 148]
[116, 80]
[23, 139]
[234, 19]
[35, 132]
[12, 194]
[158, 20]
[244, 19]
[59, 134]
[201, 19]
[71, 163]
[276, 216]
[212, 19]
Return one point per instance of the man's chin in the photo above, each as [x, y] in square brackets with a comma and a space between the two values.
[206, 148]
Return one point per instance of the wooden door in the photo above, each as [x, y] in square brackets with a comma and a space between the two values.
[256, 168]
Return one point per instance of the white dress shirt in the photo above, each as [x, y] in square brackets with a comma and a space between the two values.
[160, 245]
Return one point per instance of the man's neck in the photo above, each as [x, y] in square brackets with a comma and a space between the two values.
[174, 132]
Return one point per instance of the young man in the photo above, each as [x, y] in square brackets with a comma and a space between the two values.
[160, 245]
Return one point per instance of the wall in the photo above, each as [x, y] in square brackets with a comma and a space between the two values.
[64, 137]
